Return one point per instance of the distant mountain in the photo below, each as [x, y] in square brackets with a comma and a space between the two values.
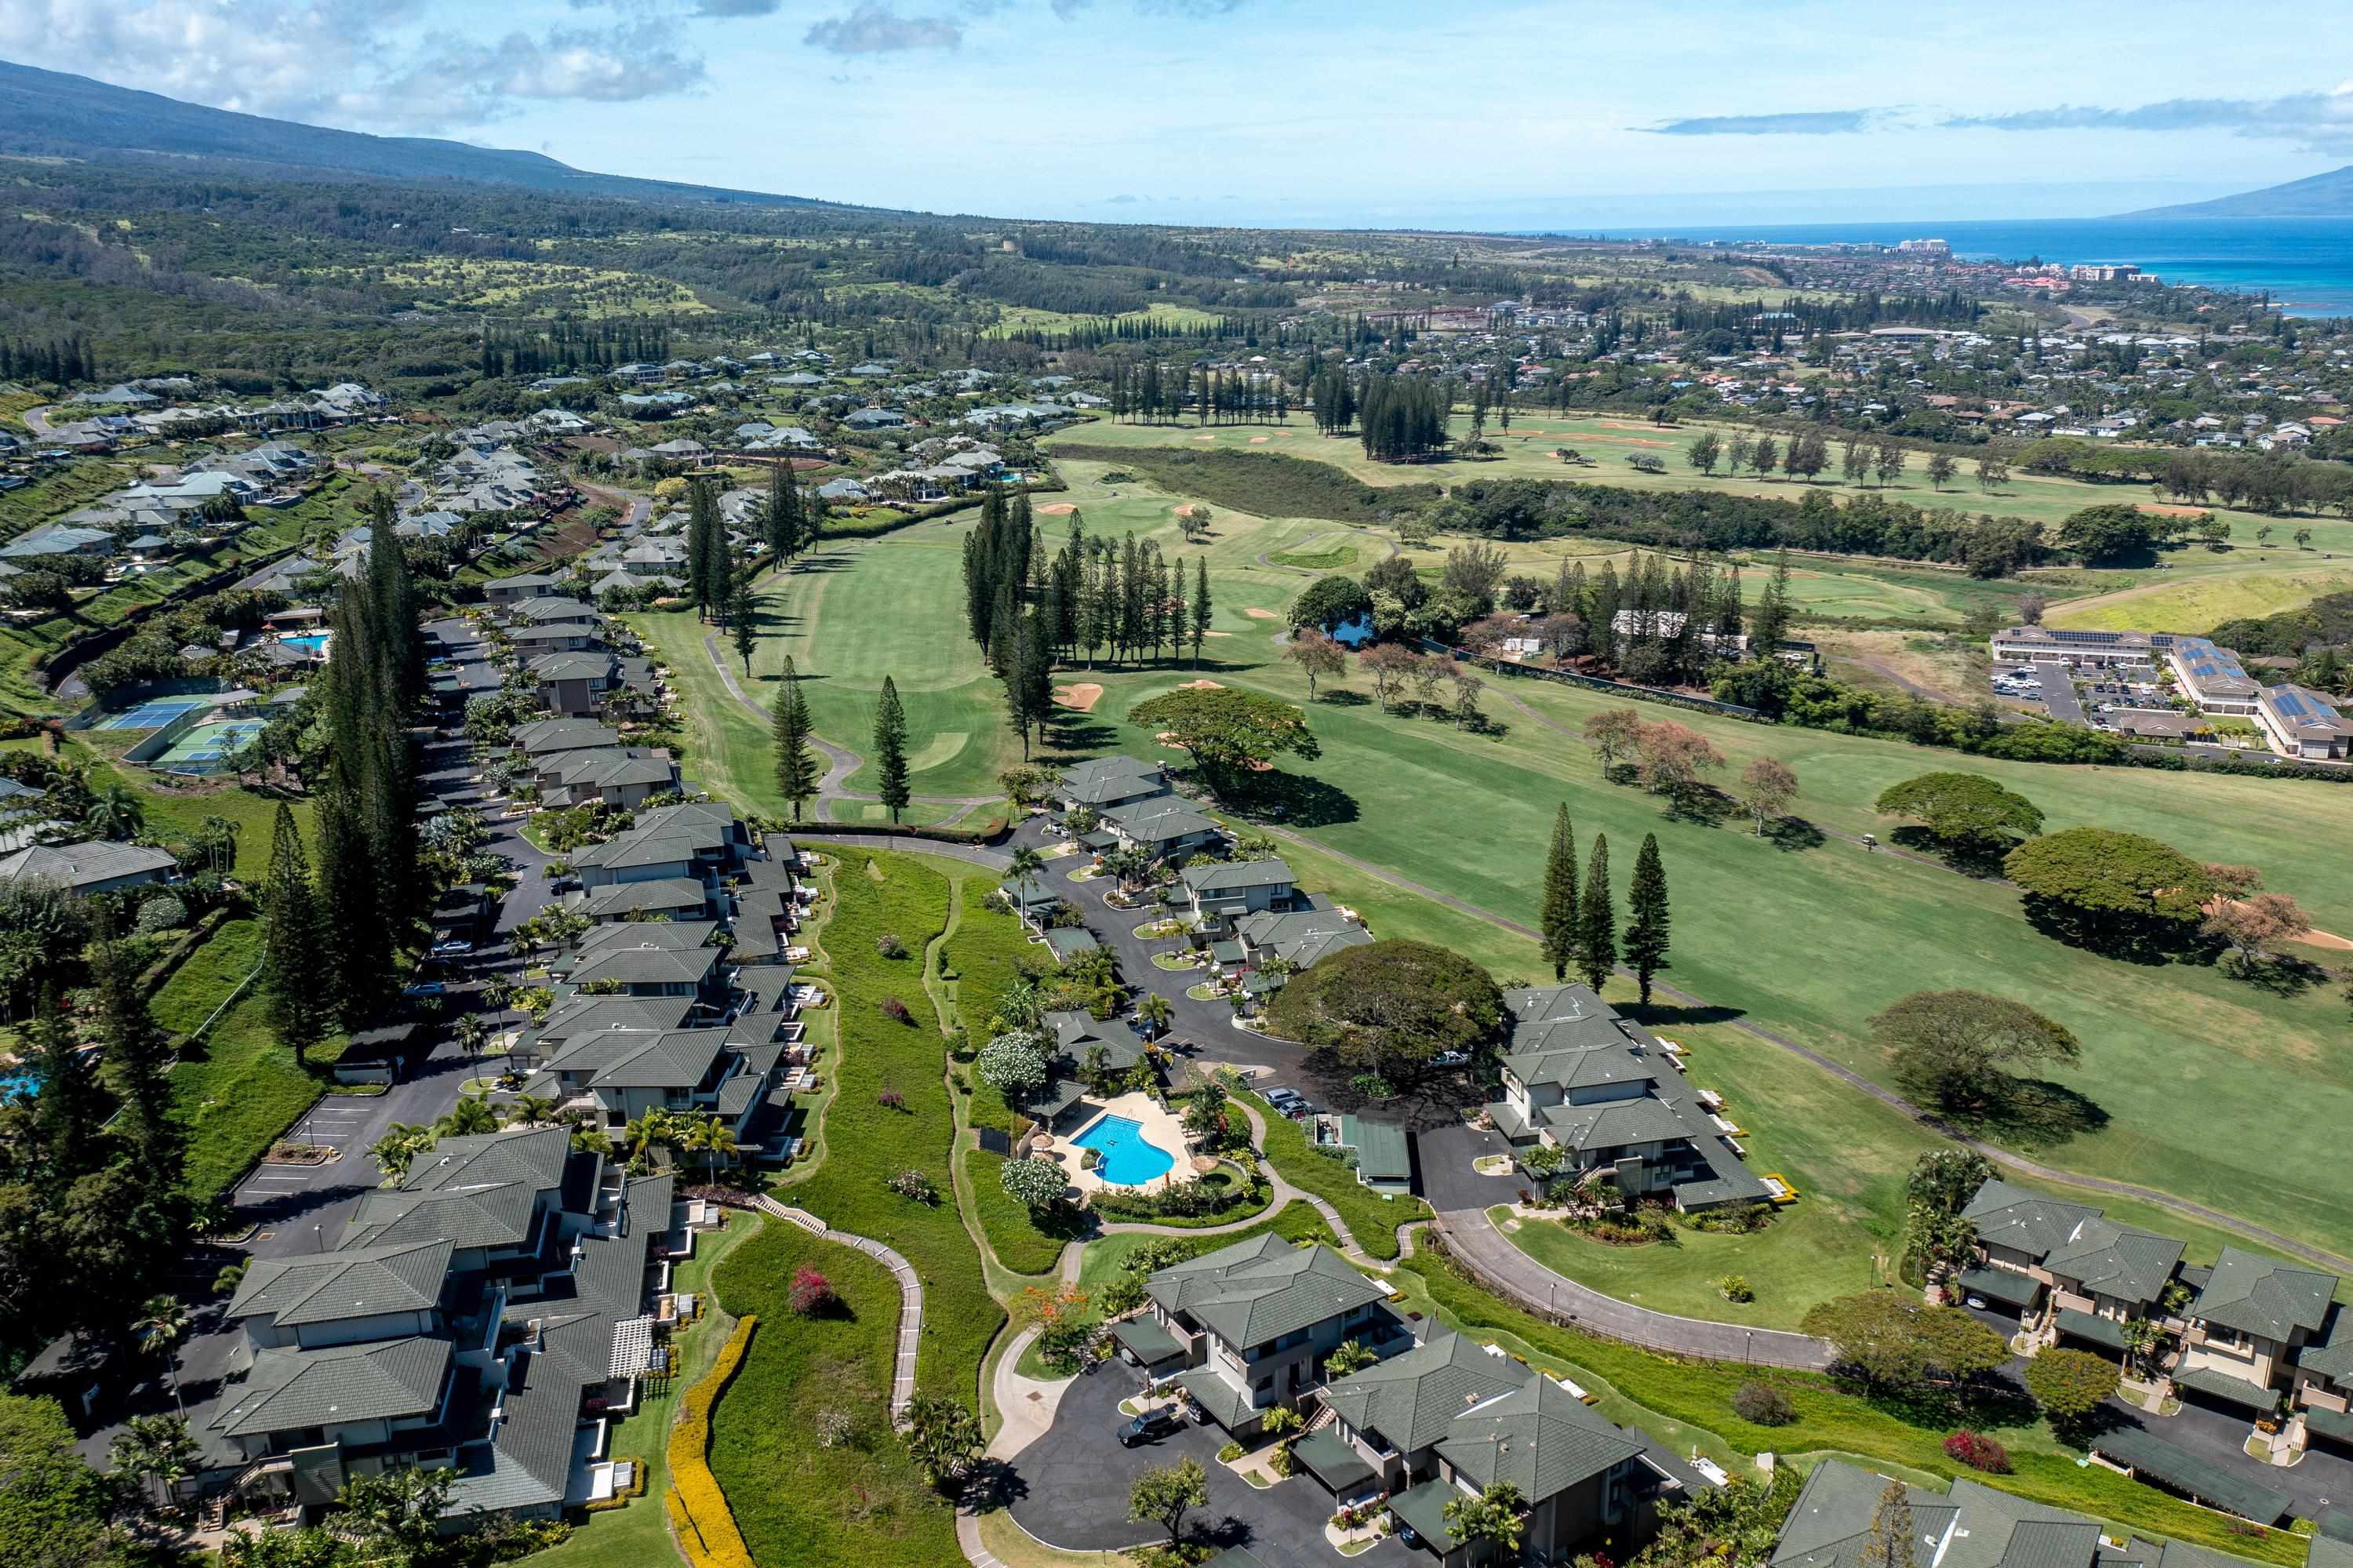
[52, 114]
[2319, 195]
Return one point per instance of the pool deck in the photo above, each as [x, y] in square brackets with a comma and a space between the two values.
[1160, 1128]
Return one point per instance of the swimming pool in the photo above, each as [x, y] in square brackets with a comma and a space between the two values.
[1128, 1159]
[314, 644]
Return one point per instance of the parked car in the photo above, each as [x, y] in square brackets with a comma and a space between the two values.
[1281, 1099]
[426, 987]
[1450, 1059]
[1151, 1426]
[452, 948]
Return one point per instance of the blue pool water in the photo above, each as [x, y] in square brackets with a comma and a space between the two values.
[1128, 1160]
[17, 1085]
[312, 642]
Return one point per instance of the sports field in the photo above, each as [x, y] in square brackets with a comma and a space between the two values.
[1809, 937]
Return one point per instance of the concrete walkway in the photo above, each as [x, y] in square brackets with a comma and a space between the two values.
[911, 1297]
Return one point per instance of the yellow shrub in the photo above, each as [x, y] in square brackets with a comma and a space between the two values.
[673, 489]
[697, 1509]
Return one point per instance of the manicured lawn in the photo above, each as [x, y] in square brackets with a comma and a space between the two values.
[1699, 1394]
[796, 1499]
[1372, 1218]
[866, 1142]
[637, 1535]
[2204, 603]
[1013, 1232]
[1810, 941]
[237, 1090]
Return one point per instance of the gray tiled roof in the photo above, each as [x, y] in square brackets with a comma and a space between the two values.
[1413, 1399]
[83, 864]
[1258, 1290]
[1540, 1437]
[288, 1390]
[2257, 1295]
[495, 1214]
[2024, 1220]
[1234, 876]
[2116, 1260]
[356, 1282]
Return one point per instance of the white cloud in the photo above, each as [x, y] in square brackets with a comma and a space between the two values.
[873, 29]
[357, 63]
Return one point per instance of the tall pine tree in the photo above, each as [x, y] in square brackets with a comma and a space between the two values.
[1646, 907]
[1560, 912]
[1201, 606]
[798, 769]
[293, 942]
[1596, 918]
[890, 750]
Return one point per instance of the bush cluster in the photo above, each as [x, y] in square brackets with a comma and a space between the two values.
[705, 1525]
[1979, 1452]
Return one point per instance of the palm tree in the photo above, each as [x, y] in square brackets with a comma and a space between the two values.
[156, 1446]
[398, 1147]
[115, 812]
[529, 1110]
[472, 1115]
[654, 1126]
[711, 1139]
[161, 1323]
[218, 835]
[1027, 863]
[1156, 1011]
[232, 1275]
[472, 1031]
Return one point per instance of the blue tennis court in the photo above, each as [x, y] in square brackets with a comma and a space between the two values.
[201, 750]
[154, 712]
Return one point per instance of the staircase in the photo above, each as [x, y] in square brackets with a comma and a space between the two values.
[1324, 1416]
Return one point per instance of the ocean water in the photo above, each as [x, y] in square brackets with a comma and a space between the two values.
[2305, 263]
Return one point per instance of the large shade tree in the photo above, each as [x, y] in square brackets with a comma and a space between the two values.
[1889, 1339]
[1962, 808]
[1231, 733]
[1389, 1006]
[2102, 886]
[1954, 1047]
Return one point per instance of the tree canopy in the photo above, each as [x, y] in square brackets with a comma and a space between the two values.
[1389, 1006]
[1953, 1045]
[1889, 1339]
[1331, 602]
[2106, 882]
[1961, 808]
[2069, 1385]
[1229, 732]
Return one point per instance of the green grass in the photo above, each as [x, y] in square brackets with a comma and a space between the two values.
[1316, 560]
[237, 1090]
[637, 1535]
[1372, 1218]
[865, 1142]
[1013, 1233]
[2203, 603]
[1698, 1396]
[797, 1501]
[1809, 942]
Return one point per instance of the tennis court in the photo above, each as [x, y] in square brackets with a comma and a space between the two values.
[154, 712]
[203, 749]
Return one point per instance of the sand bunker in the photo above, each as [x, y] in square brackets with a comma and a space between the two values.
[1199, 686]
[2152, 507]
[1205, 437]
[1083, 696]
[1257, 614]
[1057, 509]
[1217, 634]
[1182, 509]
[1258, 440]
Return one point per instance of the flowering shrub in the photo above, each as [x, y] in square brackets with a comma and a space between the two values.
[888, 946]
[812, 1293]
[890, 1099]
[1977, 1452]
[896, 1011]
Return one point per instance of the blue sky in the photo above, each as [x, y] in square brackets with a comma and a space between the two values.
[1297, 112]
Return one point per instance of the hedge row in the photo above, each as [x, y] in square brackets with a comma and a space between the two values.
[697, 1509]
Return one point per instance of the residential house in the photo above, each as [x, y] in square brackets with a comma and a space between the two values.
[625, 777]
[95, 865]
[1110, 781]
[1163, 827]
[1969, 1526]
[1247, 1328]
[1228, 890]
[1451, 1419]
[1084, 1047]
[1605, 1092]
[694, 841]
[2244, 1328]
[576, 684]
[643, 958]
[505, 593]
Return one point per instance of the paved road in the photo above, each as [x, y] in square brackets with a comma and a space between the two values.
[1069, 1488]
[2059, 697]
[1462, 1197]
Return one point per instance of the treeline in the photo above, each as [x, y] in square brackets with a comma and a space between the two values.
[1719, 521]
[1402, 419]
[1144, 393]
[571, 343]
[2275, 483]
[2327, 619]
[1800, 317]
[1791, 697]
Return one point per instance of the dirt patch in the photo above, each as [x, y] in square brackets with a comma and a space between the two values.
[2328, 941]
[1083, 696]
[2155, 510]
[1257, 614]
[1205, 437]
[1202, 686]
[1057, 509]
[1217, 634]
[1258, 440]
